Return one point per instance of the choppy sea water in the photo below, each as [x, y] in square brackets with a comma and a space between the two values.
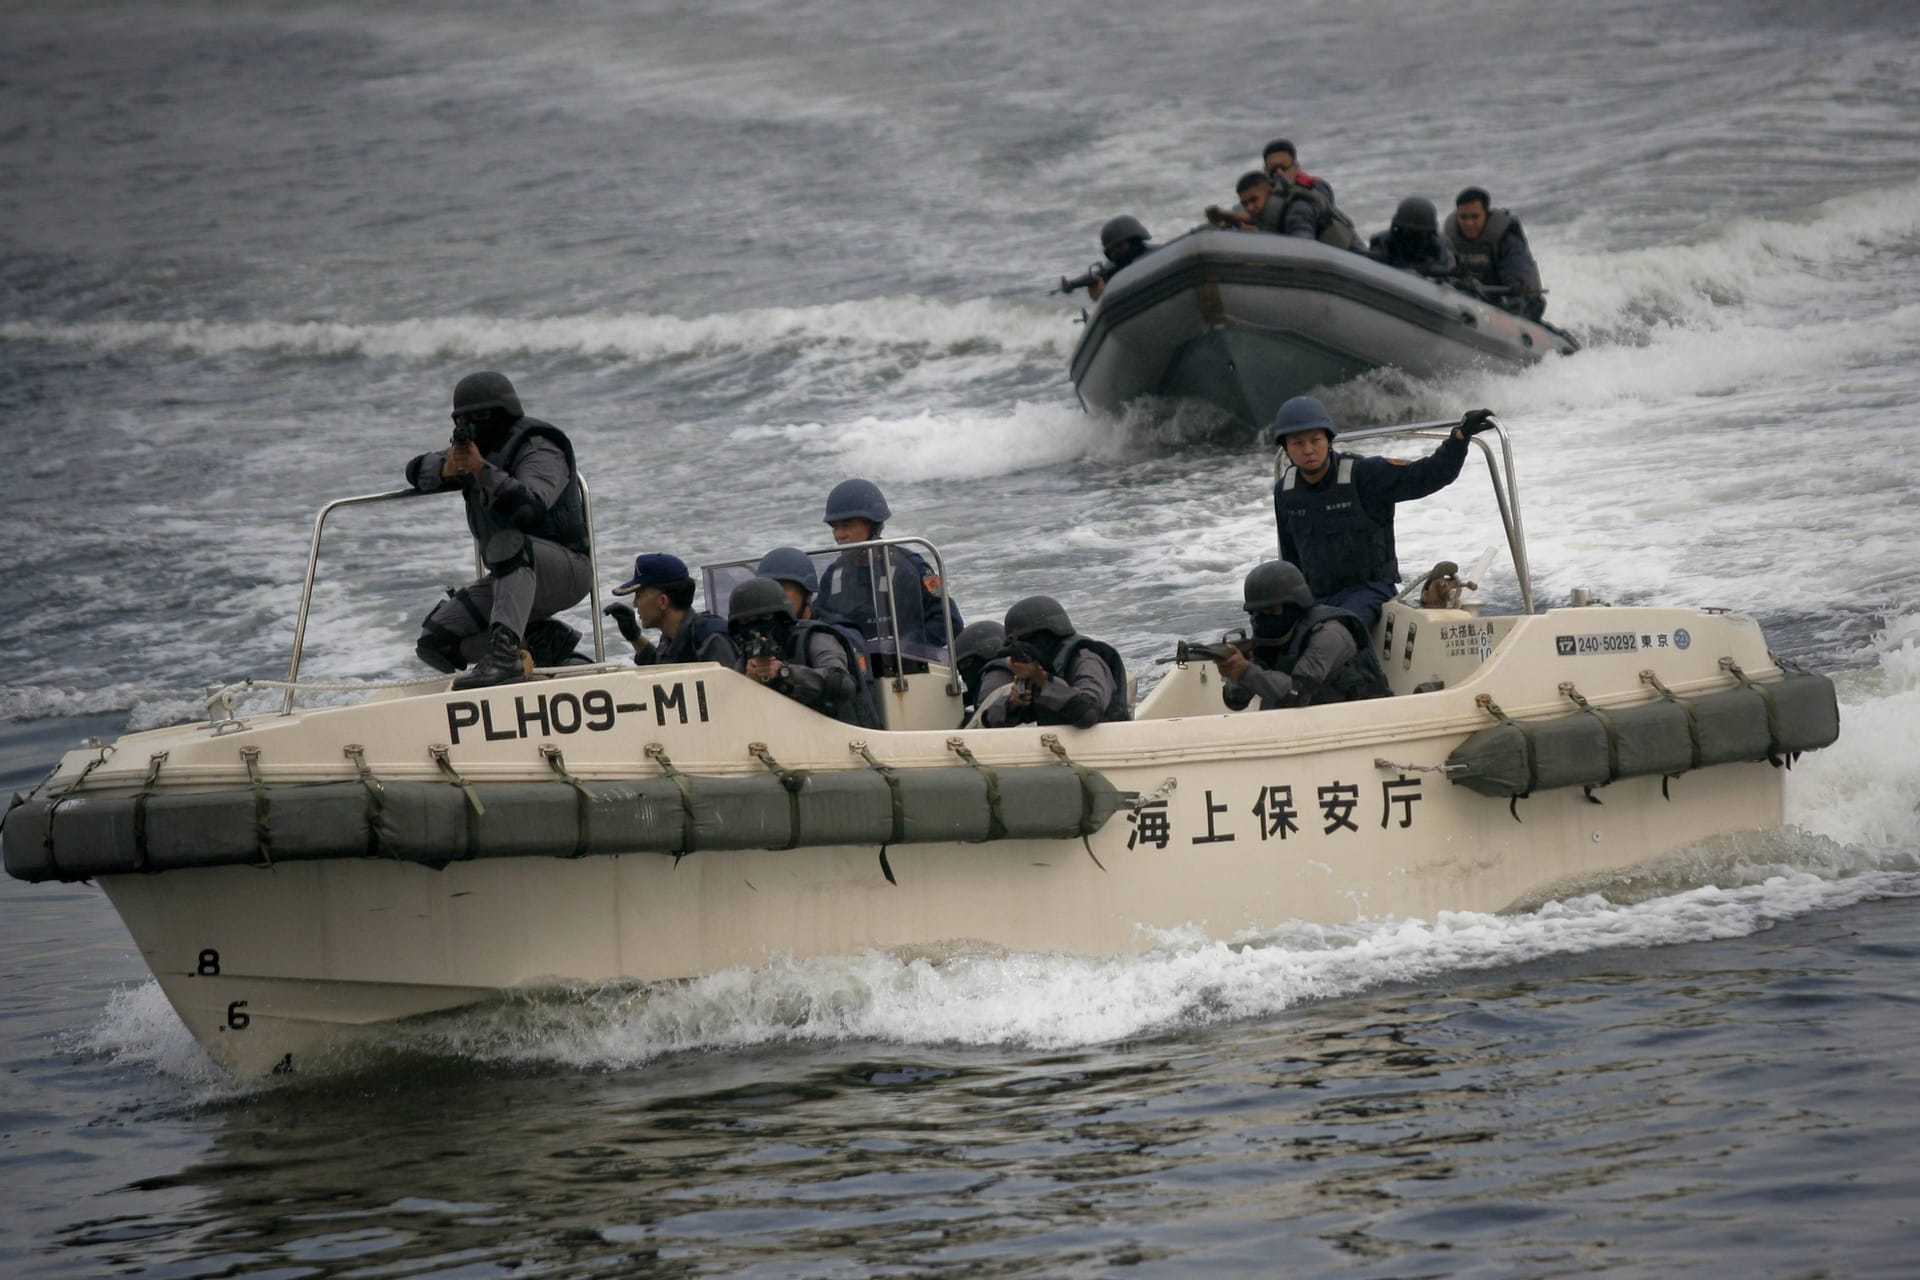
[742, 251]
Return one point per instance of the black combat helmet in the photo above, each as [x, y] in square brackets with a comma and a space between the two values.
[979, 642]
[1276, 584]
[1038, 615]
[485, 390]
[1118, 231]
[758, 598]
[1416, 214]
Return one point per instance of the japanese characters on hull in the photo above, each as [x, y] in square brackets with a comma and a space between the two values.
[1278, 810]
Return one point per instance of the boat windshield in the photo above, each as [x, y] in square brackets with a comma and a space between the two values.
[857, 589]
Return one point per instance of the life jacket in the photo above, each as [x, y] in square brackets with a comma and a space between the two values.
[1062, 668]
[1353, 681]
[853, 594]
[565, 522]
[1336, 543]
[1479, 258]
[698, 628]
[1331, 227]
[863, 710]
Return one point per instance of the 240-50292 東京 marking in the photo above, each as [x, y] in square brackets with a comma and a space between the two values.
[595, 710]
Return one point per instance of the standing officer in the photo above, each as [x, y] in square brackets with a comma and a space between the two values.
[851, 592]
[1302, 654]
[529, 517]
[1335, 510]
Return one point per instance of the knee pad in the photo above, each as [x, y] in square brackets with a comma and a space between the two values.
[439, 648]
[551, 642]
[507, 550]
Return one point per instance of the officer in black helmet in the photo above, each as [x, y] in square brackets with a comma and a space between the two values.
[1124, 241]
[1335, 510]
[1413, 242]
[529, 517]
[807, 660]
[854, 592]
[1057, 675]
[980, 648]
[1301, 654]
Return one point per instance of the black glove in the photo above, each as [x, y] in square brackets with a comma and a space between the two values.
[624, 618]
[1476, 421]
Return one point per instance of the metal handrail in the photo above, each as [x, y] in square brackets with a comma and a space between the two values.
[1505, 496]
[313, 566]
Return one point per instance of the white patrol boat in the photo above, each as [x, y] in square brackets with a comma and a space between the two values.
[295, 874]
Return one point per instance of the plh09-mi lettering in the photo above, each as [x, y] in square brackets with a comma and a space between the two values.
[545, 715]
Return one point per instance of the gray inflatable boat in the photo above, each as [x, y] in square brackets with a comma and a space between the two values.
[1244, 321]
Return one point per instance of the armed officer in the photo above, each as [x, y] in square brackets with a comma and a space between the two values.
[529, 517]
[1301, 654]
[1057, 675]
[1413, 241]
[662, 592]
[852, 592]
[1494, 255]
[1124, 241]
[1335, 510]
[807, 660]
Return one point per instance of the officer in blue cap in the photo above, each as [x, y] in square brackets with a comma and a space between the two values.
[662, 592]
[1335, 510]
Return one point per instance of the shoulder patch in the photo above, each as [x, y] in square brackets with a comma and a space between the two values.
[932, 583]
[1396, 462]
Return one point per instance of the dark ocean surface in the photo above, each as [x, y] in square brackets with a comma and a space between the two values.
[741, 251]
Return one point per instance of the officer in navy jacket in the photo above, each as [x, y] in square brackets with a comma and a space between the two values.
[852, 593]
[1335, 510]
[662, 592]
[527, 512]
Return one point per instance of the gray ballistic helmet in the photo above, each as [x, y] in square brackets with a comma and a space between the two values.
[979, 640]
[487, 390]
[1119, 230]
[758, 598]
[1302, 413]
[1275, 584]
[1416, 214]
[857, 500]
[790, 564]
[1036, 614]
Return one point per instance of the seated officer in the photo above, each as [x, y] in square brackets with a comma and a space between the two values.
[979, 648]
[1301, 654]
[1413, 242]
[1057, 676]
[1495, 259]
[808, 661]
[662, 592]
[853, 593]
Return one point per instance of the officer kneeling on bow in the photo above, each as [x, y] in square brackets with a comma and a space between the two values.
[1301, 654]
[528, 514]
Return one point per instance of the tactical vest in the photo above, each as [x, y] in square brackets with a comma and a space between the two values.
[1062, 667]
[695, 631]
[1338, 545]
[862, 710]
[565, 522]
[1353, 681]
[1331, 227]
[1479, 259]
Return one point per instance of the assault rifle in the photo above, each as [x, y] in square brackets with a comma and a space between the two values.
[1186, 651]
[1080, 281]
[759, 644]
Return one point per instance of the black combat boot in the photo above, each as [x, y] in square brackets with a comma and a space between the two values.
[500, 665]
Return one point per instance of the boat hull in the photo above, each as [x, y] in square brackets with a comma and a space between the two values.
[1238, 822]
[1244, 322]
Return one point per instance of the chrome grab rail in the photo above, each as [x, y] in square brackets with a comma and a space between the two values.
[1505, 496]
[313, 566]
